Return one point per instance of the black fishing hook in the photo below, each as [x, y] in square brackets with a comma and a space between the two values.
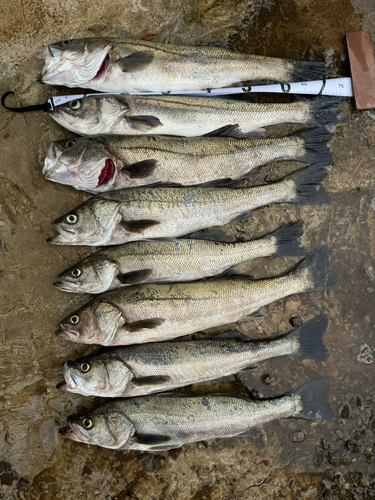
[46, 106]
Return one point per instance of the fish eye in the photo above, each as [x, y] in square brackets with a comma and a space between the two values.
[67, 42]
[87, 423]
[74, 319]
[75, 104]
[85, 367]
[76, 273]
[71, 219]
[69, 144]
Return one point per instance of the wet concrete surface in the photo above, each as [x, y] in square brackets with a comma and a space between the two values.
[296, 458]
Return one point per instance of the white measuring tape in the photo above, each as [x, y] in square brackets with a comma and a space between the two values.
[333, 87]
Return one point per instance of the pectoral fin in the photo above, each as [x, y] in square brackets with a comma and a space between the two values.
[138, 226]
[151, 381]
[141, 169]
[134, 277]
[135, 62]
[144, 324]
[143, 123]
[151, 439]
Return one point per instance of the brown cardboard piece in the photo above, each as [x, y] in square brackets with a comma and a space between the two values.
[362, 65]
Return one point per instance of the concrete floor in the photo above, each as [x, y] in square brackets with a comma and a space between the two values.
[35, 463]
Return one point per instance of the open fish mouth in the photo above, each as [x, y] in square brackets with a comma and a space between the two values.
[66, 333]
[70, 432]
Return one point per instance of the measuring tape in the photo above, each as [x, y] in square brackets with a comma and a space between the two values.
[332, 87]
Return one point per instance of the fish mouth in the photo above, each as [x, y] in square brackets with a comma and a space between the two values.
[62, 386]
[66, 236]
[65, 333]
[69, 432]
[66, 286]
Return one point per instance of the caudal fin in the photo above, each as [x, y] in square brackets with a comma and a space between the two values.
[309, 190]
[312, 400]
[309, 338]
[315, 145]
[303, 71]
[287, 244]
[323, 111]
[315, 270]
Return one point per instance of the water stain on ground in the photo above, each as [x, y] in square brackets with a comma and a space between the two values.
[296, 458]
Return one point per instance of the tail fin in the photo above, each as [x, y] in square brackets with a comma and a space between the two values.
[316, 148]
[308, 185]
[309, 337]
[323, 111]
[304, 71]
[316, 270]
[313, 403]
[287, 244]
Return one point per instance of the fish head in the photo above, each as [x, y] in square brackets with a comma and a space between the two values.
[95, 323]
[92, 275]
[92, 115]
[91, 223]
[103, 426]
[98, 375]
[84, 163]
[75, 63]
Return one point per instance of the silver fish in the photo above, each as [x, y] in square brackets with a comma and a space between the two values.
[143, 369]
[154, 312]
[188, 116]
[166, 421]
[177, 260]
[104, 163]
[116, 65]
[142, 213]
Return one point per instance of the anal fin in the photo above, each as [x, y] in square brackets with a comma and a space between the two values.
[260, 314]
[254, 431]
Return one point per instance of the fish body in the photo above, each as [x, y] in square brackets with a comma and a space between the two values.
[154, 312]
[141, 213]
[104, 163]
[166, 421]
[186, 116]
[176, 260]
[143, 369]
[116, 65]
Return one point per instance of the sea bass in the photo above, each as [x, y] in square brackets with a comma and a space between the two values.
[166, 421]
[143, 369]
[141, 213]
[104, 163]
[117, 65]
[188, 116]
[154, 312]
[177, 260]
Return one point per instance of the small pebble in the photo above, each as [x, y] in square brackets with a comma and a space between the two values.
[296, 321]
[345, 459]
[363, 481]
[23, 484]
[339, 435]
[298, 436]
[267, 379]
[369, 289]
[282, 494]
[369, 273]
[325, 443]
[353, 446]
[369, 459]
[292, 484]
[358, 434]
[334, 460]
[358, 401]
[347, 412]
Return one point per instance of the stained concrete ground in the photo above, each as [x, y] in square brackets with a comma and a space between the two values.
[295, 459]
